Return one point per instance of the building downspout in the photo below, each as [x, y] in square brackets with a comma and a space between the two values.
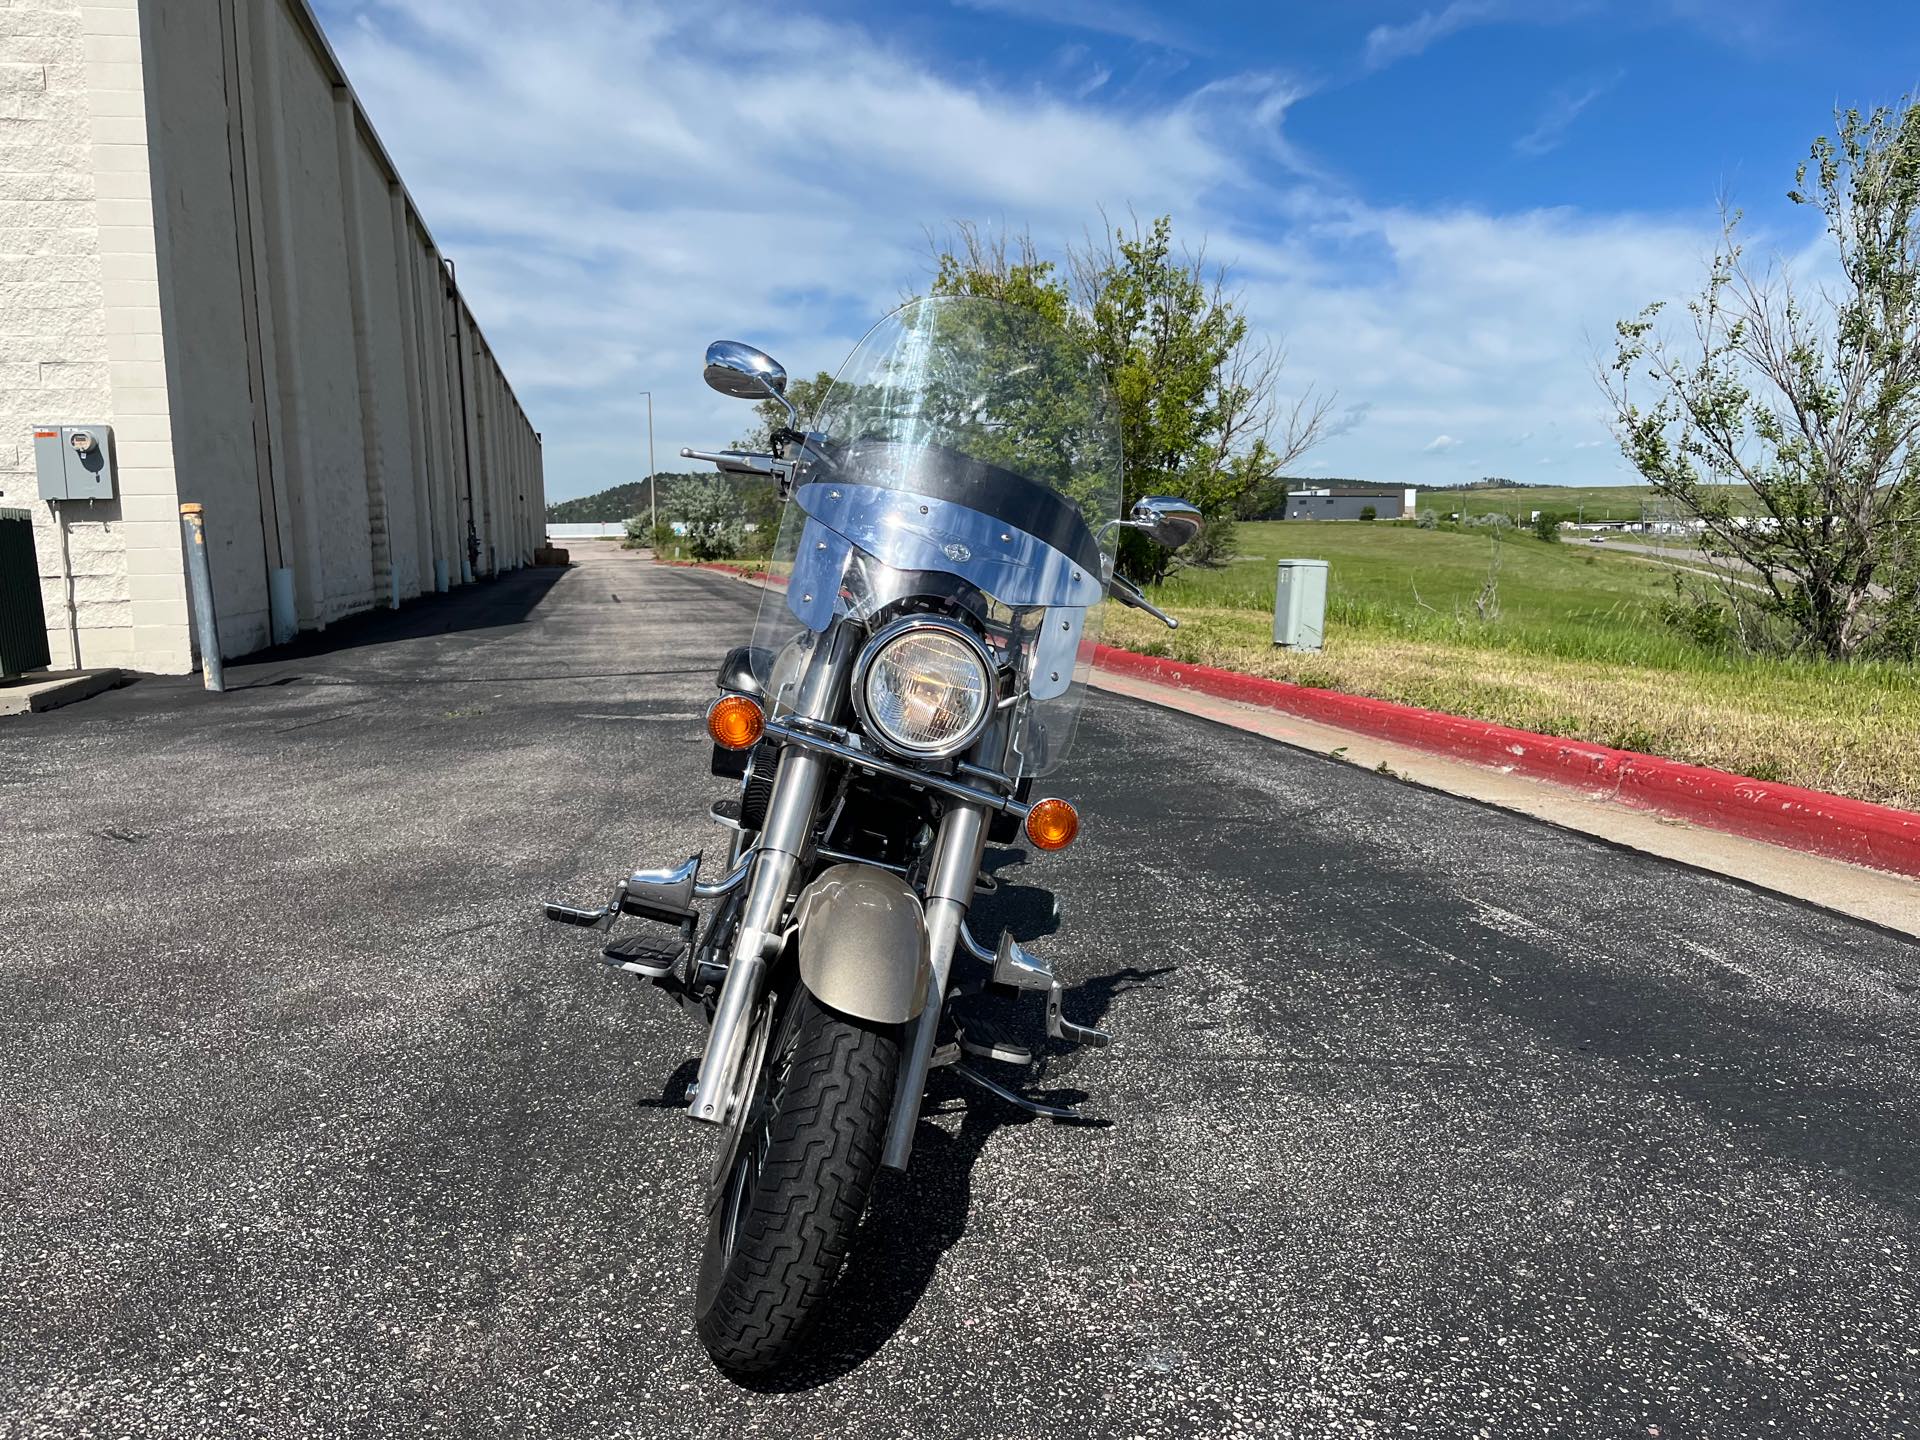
[472, 561]
[386, 578]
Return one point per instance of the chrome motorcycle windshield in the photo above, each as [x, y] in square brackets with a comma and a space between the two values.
[966, 457]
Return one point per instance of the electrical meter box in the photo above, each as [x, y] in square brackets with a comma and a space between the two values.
[74, 462]
[1300, 604]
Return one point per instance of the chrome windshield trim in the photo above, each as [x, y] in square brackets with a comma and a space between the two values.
[839, 749]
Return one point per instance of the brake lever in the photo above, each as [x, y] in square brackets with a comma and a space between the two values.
[1128, 594]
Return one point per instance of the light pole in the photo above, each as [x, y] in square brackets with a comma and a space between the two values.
[653, 482]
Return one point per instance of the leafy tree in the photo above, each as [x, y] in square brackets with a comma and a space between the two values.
[1194, 393]
[771, 415]
[642, 535]
[1546, 526]
[713, 515]
[1788, 424]
[1367, 512]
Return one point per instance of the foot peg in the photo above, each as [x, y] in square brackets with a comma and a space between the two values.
[653, 956]
[984, 1041]
[1020, 968]
[663, 895]
[573, 915]
[1061, 1028]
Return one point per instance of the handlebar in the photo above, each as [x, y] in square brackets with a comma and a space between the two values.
[1128, 594]
[734, 462]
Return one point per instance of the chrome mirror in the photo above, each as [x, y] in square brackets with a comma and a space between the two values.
[1166, 520]
[744, 372]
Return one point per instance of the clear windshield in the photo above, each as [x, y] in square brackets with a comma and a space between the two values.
[969, 463]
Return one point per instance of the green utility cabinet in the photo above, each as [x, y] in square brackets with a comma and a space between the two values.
[23, 623]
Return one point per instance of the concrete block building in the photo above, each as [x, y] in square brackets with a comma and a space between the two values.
[208, 259]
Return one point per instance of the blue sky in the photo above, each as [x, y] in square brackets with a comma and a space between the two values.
[1439, 209]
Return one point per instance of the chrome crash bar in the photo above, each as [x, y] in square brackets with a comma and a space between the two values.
[643, 884]
[831, 740]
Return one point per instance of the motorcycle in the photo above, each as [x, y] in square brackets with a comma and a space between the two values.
[947, 536]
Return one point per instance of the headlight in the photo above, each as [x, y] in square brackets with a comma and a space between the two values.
[924, 687]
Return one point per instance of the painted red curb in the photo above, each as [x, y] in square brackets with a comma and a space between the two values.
[725, 567]
[1786, 815]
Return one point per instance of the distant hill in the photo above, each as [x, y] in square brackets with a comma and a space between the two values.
[621, 502]
[759, 500]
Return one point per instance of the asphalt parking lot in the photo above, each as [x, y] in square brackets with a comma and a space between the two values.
[1428, 1119]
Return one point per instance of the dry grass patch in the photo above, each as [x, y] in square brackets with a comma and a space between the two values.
[1853, 730]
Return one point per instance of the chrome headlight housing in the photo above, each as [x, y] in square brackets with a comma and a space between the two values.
[923, 687]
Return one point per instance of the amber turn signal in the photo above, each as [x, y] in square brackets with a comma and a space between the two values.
[1052, 824]
[735, 723]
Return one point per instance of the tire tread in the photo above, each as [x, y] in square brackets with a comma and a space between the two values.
[824, 1146]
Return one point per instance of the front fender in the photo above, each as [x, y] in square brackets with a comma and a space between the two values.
[863, 944]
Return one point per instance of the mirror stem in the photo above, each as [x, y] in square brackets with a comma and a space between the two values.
[793, 415]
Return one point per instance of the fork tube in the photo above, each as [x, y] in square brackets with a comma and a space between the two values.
[950, 885]
[783, 841]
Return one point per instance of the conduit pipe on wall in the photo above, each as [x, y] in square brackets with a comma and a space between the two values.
[66, 581]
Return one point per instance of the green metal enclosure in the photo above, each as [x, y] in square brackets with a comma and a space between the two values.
[23, 623]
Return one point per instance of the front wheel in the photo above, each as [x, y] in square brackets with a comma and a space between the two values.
[795, 1167]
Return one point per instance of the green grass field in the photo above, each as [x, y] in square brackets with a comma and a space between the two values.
[1587, 502]
[1569, 598]
[1569, 502]
[1578, 649]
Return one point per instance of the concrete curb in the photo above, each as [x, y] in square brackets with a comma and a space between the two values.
[1789, 816]
[1786, 815]
[38, 692]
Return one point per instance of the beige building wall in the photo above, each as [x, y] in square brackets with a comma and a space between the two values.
[204, 245]
[80, 327]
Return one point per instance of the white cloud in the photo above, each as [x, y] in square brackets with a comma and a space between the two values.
[1105, 17]
[1563, 108]
[1092, 83]
[1388, 43]
[617, 195]
[1439, 444]
[610, 216]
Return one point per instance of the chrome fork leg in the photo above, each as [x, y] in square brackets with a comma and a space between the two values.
[783, 841]
[950, 882]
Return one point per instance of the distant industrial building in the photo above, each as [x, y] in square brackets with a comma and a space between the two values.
[217, 289]
[1333, 502]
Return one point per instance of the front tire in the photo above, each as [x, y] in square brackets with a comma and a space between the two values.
[796, 1166]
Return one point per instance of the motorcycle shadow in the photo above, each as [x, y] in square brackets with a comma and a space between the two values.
[912, 1220]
